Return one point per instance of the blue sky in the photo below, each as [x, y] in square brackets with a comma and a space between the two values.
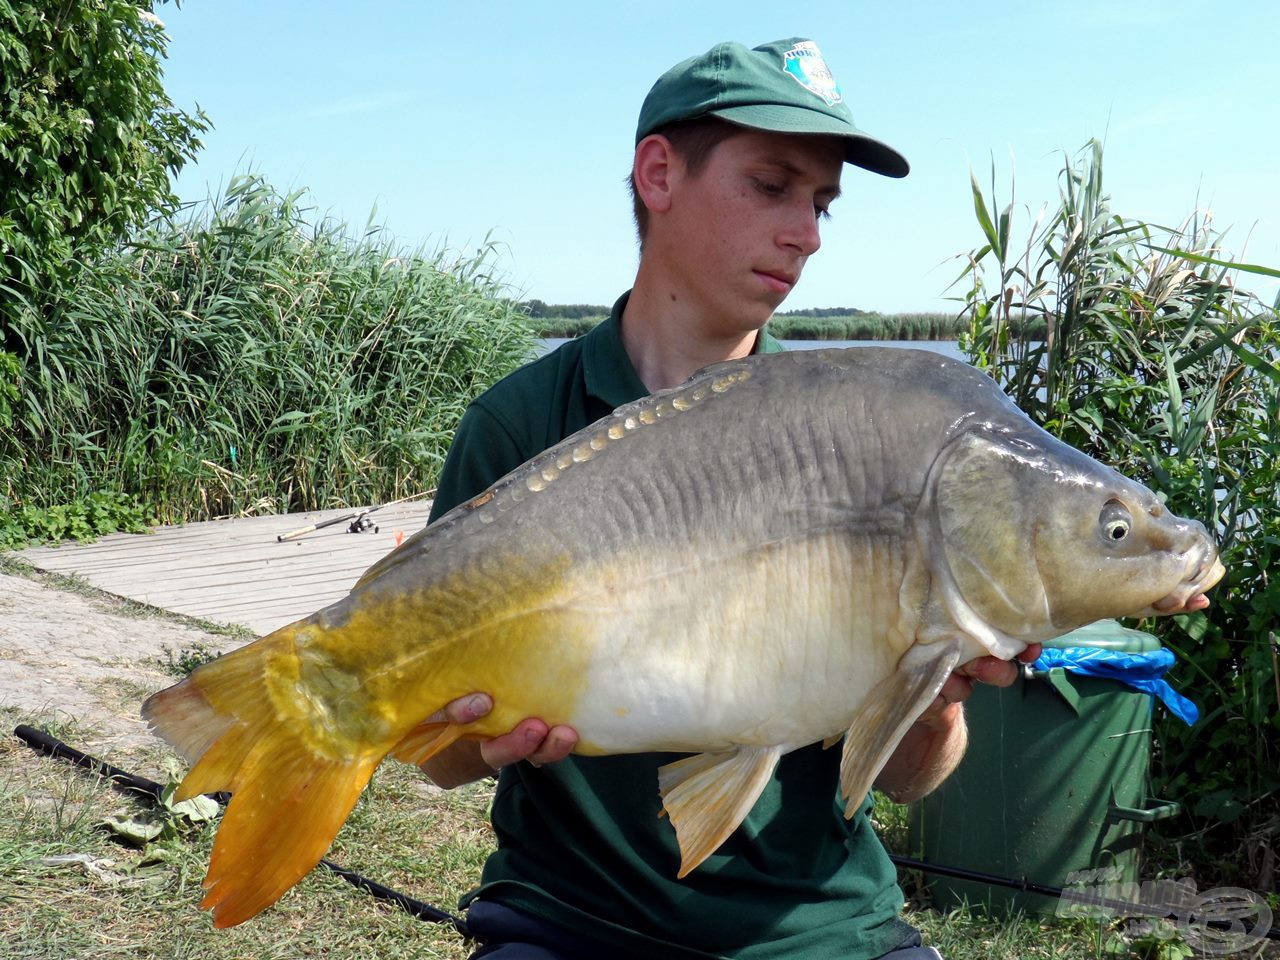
[514, 121]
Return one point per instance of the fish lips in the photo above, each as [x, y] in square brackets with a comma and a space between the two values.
[1189, 596]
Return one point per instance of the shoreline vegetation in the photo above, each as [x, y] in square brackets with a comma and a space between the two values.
[242, 356]
[821, 323]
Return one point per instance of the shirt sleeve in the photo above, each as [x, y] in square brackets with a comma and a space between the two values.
[483, 451]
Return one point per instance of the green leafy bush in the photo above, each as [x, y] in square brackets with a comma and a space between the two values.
[84, 518]
[88, 137]
[1153, 362]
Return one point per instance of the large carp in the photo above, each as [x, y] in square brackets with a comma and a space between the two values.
[782, 550]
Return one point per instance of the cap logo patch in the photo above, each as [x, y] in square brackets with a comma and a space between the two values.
[805, 64]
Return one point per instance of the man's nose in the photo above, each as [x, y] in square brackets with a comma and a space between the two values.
[801, 231]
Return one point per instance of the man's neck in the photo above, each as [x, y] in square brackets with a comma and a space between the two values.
[667, 340]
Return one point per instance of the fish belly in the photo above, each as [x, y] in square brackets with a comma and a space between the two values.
[772, 645]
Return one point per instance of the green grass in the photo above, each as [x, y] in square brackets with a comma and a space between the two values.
[426, 843]
[144, 903]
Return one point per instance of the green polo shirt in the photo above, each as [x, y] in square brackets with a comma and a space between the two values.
[580, 842]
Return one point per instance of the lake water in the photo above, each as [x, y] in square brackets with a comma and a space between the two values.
[948, 348]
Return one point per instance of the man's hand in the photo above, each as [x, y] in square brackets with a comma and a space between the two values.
[934, 744]
[992, 670]
[466, 761]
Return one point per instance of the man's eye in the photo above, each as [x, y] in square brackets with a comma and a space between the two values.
[821, 213]
[769, 188]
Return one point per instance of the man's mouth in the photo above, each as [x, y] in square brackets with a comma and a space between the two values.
[777, 281]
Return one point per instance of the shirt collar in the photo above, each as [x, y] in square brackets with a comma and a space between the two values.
[608, 370]
[609, 373]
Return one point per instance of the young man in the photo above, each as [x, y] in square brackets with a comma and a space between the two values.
[738, 156]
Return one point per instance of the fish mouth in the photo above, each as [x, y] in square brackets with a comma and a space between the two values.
[1190, 594]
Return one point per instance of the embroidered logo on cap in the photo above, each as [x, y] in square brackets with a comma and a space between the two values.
[805, 64]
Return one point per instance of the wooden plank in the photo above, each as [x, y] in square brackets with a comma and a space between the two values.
[227, 594]
[235, 571]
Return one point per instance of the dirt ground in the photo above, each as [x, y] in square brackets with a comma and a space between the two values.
[88, 659]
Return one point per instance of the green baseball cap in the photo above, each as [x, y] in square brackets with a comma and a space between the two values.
[782, 87]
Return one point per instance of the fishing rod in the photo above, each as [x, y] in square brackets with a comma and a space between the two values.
[49, 745]
[359, 520]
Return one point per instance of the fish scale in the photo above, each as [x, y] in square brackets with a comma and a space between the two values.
[786, 549]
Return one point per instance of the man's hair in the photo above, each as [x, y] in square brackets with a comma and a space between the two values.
[692, 140]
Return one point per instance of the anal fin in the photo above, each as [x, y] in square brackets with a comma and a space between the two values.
[883, 719]
[709, 794]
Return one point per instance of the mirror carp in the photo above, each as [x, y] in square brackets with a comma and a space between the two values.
[785, 549]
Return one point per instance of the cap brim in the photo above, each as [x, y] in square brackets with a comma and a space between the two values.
[861, 150]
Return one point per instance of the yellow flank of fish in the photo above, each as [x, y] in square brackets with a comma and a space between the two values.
[315, 705]
[519, 641]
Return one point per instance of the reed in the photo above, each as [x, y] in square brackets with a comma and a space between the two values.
[867, 326]
[249, 357]
[1152, 361]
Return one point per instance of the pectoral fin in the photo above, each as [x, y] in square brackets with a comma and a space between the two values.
[886, 714]
[709, 794]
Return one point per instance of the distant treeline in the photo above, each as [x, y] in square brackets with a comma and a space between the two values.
[813, 323]
[824, 312]
[563, 311]
[540, 310]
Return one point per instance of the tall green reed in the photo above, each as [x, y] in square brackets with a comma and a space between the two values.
[867, 326]
[1152, 361]
[251, 357]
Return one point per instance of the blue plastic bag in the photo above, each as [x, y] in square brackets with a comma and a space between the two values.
[1142, 671]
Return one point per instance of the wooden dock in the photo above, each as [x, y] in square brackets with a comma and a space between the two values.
[236, 571]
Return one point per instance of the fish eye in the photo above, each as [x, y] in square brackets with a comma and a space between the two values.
[1114, 522]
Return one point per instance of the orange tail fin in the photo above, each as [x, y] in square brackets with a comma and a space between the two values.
[279, 824]
[289, 799]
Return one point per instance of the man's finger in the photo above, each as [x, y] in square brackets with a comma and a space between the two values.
[955, 689]
[991, 670]
[531, 740]
[463, 710]
[557, 745]
[512, 747]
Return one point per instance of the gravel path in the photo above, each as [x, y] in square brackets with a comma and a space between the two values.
[87, 658]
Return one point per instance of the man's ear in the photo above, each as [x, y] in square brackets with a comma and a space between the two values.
[652, 170]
